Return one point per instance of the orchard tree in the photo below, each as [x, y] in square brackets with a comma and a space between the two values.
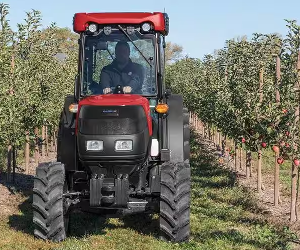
[173, 52]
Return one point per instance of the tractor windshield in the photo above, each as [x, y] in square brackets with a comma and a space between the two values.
[119, 58]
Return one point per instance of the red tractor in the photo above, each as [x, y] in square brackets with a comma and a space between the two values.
[123, 140]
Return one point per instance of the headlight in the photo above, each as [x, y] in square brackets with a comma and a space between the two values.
[94, 145]
[123, 145]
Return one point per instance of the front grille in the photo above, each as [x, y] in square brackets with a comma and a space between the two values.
[125, 126]
[130, 120]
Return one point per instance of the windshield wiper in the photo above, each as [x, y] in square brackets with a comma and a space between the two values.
[134, 44]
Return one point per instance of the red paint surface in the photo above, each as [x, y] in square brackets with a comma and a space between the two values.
[117, 100]
[81, 19]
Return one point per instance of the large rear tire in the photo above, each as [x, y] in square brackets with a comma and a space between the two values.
[49, 216]
[175, 202]
[175, 193]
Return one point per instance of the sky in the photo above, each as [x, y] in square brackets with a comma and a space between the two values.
[198, 26]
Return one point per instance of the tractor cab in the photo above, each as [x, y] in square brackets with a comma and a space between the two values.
[125, 49]
[123, 53]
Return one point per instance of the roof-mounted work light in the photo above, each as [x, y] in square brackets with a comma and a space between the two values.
[146, 27]
[92, 27]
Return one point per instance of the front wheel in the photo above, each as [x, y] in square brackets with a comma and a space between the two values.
[50, 217]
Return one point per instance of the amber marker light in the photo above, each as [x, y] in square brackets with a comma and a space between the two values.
[162, 108]
[73, 108]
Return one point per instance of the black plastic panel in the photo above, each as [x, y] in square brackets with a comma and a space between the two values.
[112, 120]
[95, 191]
[66, 136]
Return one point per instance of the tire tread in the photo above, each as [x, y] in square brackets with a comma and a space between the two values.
[48, 216]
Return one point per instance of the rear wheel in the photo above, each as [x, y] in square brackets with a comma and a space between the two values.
[175, 202]
[50, 217]
[175, 193]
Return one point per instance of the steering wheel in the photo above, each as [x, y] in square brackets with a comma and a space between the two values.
[118, 90]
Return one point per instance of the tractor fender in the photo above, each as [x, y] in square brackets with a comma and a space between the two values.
[66, 146]
[175, 123]
[68, 118]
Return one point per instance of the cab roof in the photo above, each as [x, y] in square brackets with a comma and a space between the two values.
[157, 19]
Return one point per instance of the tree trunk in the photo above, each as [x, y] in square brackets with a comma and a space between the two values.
[215, 136]
[223, 145]
[235, 157]
[36, 150]
[248, 164]
[276, 181]
[9, 156]
[294, 193]
[55, 141]
[259, 177]
[295, 173]
[27, 153]
[14, 162]
[241, 156]
[250, 169]
[46, 140]
[259, 155]
[43, 141]
[277, 95]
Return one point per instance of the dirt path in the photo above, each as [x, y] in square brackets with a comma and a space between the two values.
[279, 215]
[12, 194]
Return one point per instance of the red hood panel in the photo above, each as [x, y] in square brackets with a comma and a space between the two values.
[118, 100]
[115, 99]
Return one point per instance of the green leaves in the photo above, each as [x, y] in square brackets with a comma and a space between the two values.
[33, 80]
[224, 88]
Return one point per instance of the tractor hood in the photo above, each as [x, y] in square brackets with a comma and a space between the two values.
[117, 100]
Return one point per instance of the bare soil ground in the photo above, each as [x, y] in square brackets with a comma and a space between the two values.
[9, 201]
[12, 194]
[279, 215]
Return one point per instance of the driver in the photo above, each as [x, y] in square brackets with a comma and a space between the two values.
[122, 71]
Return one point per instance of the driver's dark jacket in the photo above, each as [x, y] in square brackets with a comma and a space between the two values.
[131, 75]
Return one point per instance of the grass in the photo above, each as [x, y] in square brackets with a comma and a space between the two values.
[223, 216]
